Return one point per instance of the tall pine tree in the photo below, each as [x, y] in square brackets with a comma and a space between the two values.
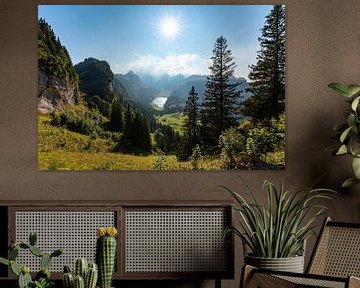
[116, 121]
[191, 123]
[221, 104]
[136, 137]
[267, 76]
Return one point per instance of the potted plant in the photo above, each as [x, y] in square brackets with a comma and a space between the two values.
[349, 132]
[42, 278]
[276, 233]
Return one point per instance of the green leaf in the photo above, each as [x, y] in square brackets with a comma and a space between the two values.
[353, 89]
[355, 103]
[354, 145]
[342, 150]
[340, 88]
[356, 167]
[345, 134]
[349, 182]
[351, 120]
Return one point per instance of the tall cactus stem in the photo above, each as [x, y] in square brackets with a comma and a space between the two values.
[80, 267]
[105, 257]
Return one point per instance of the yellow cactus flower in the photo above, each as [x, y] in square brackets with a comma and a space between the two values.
[106, 231]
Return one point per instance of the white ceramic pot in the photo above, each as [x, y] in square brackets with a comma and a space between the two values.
[291, 264]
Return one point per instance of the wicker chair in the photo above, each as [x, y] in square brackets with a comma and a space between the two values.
[334, 263]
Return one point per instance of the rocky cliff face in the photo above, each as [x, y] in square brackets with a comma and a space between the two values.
[54, 93]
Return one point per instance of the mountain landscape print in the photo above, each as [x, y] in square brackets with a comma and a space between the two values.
[161, 87]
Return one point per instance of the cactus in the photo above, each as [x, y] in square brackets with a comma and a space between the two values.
[68, 280]
[36, 251]
[32, 238]
[43, 274]
[91, 276]
[67, 269]
[88, 273]
[57, 252]
[13, 253]
[45, 261]
[79, 282]
[14, 268]
[80, 267]
[24, 280]
[105, 255]
[23, 273]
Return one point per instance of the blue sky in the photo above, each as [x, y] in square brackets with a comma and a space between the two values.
[157, 38]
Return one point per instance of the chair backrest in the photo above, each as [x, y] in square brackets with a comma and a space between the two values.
[337, 251]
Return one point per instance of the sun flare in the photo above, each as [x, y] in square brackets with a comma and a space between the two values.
[169, 27]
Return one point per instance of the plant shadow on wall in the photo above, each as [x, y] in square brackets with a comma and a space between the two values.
[211, 119]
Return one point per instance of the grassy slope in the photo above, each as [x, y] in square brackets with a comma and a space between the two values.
[61, 149]
[60, 160]
[174, 120]
[55, 138]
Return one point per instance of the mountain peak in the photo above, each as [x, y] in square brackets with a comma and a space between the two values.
[131, 73]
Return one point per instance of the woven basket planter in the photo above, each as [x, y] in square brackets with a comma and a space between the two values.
[291, 264]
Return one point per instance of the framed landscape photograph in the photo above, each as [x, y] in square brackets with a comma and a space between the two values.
[161, 87]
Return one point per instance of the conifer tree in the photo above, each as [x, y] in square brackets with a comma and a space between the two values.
[191, 123]
[267, 76]
[116, 122]
[136, 137]
[221, 103]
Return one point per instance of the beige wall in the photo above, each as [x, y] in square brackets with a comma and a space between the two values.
[323, 46]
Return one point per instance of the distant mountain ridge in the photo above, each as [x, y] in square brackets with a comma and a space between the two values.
[144, 88]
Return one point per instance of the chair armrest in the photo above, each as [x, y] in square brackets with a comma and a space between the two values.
[254, 277]
[354, 282]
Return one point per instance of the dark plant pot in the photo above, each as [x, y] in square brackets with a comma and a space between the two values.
[291, 264]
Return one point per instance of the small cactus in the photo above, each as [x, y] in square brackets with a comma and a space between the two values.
[68, 280]
[84, 274]
[45, 261]
[23, 273]
[24, 280]
[13, 253]
[32, 238]
[36, 251]
[106, 254]
[91, 276]
[80, 268]
[57, 252]
[79, 282]
[14, 268]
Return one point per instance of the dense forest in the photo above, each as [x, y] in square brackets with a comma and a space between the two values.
[112, 127]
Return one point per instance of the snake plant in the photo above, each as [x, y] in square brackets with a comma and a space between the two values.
[279, 228]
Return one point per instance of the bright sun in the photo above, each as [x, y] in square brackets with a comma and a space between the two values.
[169, 27]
